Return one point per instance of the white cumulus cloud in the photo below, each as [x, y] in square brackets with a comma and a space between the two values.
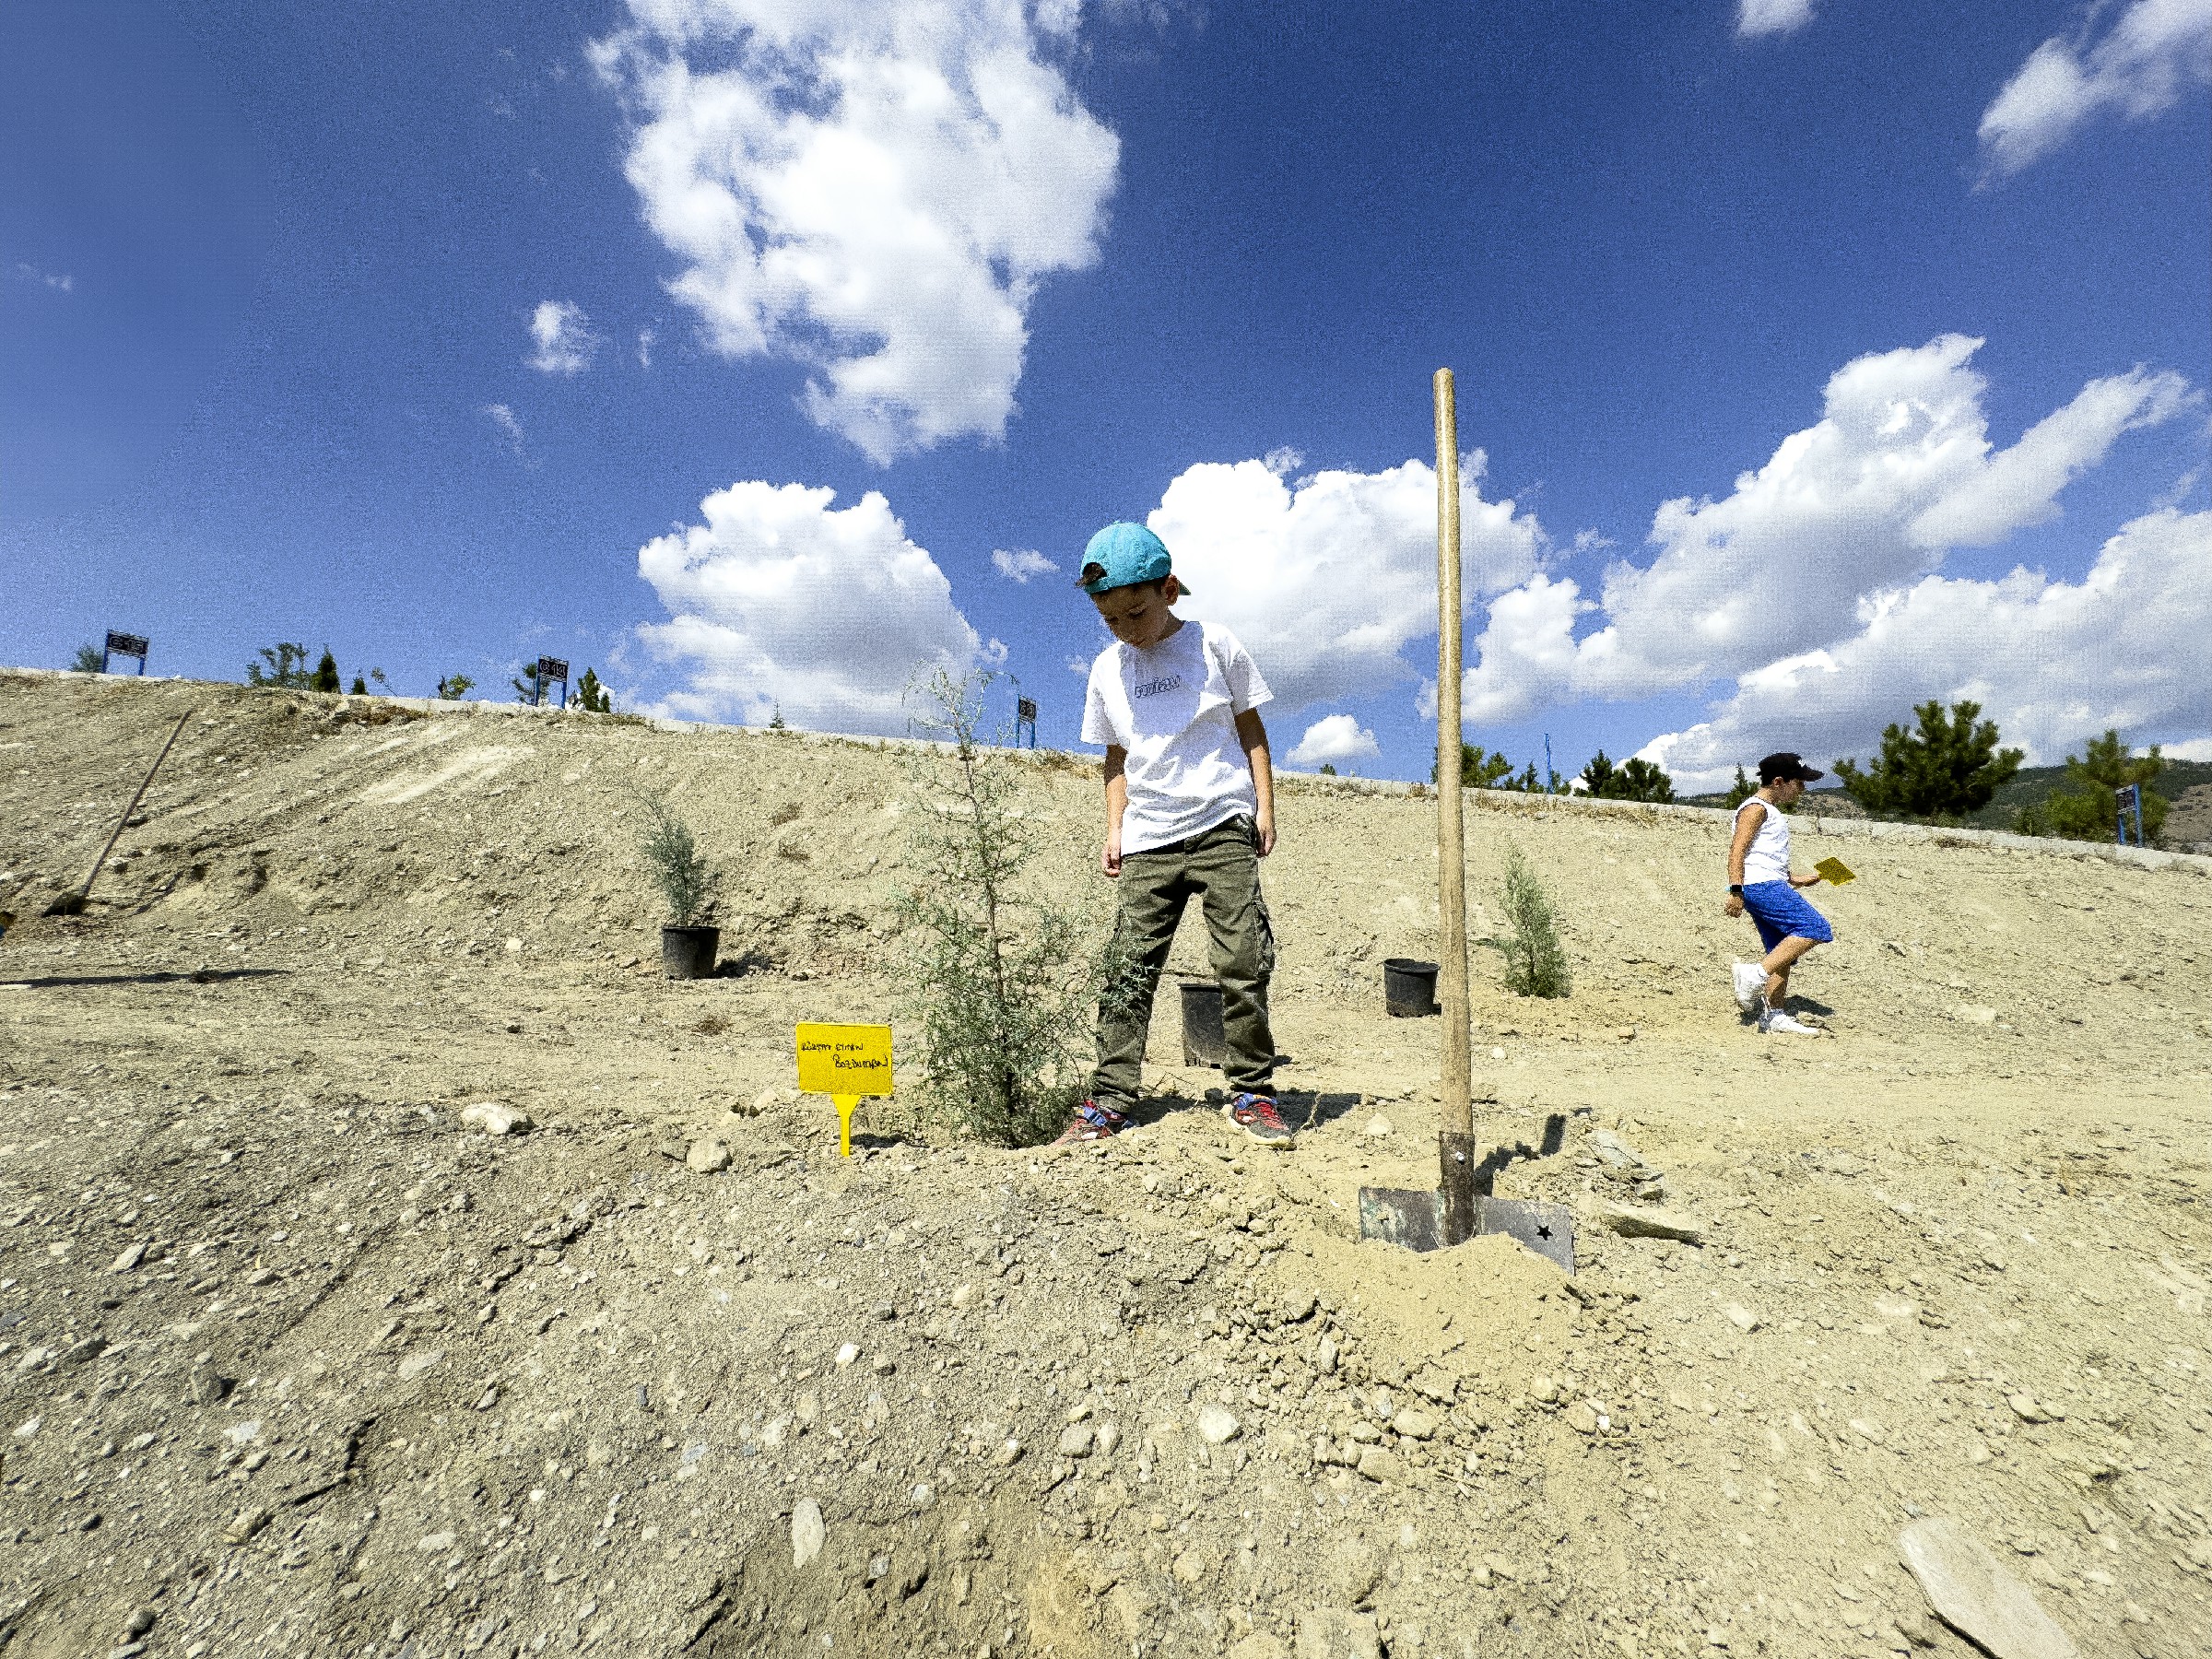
[1020, 564]
[779, 599]
[561, 341]
[872, 190]
[1898, 470]
[1327, 580]
[2153, 52]
[1755, 17]
[2052, 662]
[1333, 739]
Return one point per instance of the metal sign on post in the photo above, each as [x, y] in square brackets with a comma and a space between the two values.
[548, 670]
[124, 645]
[1025, 718]
[2129, 802]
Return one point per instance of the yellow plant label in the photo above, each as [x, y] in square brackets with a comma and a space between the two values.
[845, 1059]
[1836, 871]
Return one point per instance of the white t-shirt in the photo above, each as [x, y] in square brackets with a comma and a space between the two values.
[1173, 708]
[1768, 856]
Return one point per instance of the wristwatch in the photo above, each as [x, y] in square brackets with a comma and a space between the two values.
[1736, 888]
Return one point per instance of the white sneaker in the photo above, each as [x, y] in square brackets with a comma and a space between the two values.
[1774, 1023]
[1750, 986]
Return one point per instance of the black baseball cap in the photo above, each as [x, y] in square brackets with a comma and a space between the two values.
[1778, 767]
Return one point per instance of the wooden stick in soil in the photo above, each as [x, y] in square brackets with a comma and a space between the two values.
[1455, 1142]
[71, 904]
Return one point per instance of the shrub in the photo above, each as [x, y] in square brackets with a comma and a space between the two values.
[325, 676]
[90, 659]
[1950, 767]
[282, 668]
[677, 865]
[454, 687]
[1536, 962]
[1000, 981]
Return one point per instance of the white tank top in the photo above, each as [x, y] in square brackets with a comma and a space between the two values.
[1768, 857]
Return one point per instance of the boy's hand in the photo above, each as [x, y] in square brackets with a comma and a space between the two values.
[1806, 881]
[1263, 827]
[1734, 906]
[1109, 857]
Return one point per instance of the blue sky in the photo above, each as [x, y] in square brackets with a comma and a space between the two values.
[425, 332]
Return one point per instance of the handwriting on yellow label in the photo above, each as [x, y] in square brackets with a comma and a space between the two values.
[845, 1059]
[1836, 871]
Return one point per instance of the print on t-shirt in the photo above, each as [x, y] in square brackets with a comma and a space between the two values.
[1173, 711]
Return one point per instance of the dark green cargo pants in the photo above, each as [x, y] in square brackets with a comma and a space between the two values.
[1221, 866]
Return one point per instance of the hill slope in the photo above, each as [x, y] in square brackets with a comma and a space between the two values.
[299, 1358]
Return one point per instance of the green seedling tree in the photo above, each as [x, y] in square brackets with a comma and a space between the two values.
[454, 687]
[591, 695]
[2085, 809]
[1950, 767]
[677, 865]
[325, 676]
[1536, 962]
[999, 980]
[87, 660]
[283, 668]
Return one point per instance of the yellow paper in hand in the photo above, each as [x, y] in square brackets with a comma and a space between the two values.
[1835, 871]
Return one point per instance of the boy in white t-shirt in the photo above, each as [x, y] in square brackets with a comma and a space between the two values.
[1190, 810]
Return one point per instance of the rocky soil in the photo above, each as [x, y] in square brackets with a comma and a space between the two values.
[297, 1355]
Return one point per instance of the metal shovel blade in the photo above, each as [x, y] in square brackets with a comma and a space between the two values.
[1411, 1216]
[1546, 1228]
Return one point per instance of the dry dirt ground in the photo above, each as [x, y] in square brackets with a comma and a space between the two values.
[295, 1361]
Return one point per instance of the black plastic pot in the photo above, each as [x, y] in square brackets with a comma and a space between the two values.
[1409, 987]
[689, 952]
[1204, 1042]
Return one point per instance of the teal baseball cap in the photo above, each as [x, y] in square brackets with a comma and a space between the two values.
[1122, 555]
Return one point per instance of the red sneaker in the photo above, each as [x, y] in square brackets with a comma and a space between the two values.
[1257, 1116]
[1093, 1122]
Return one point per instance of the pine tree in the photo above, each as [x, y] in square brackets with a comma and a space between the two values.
[1950, 767]
[1633, 779]
[1478, 769]
[326, 674]
[591, 695]
[283, 668]
[2087, 808]
[1742, 789]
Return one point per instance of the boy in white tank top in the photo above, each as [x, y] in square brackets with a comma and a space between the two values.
[1759, 883]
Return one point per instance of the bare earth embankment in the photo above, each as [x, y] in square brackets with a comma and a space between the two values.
[295, 1361]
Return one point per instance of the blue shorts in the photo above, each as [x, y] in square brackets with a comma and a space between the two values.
[1779, 913]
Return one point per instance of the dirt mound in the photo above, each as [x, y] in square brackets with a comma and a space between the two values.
[298, 1360]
